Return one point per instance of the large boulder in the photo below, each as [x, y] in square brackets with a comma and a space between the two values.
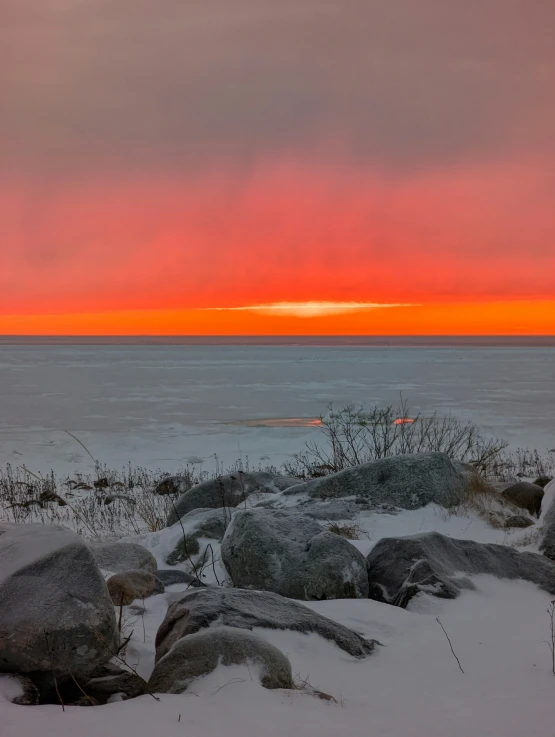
[290, 554]
[120, 557]
[547, 539]
[213, 607]
[55, 610]
[199, 654]
[399, 568]
[406, 481]
[525, 496]
[130, 585]
[228, 491]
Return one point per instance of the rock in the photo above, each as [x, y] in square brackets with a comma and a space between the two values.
[207, 607]
[108, 680]
[55, 609]
[406, 481]
[187, 546]
[518, 520]
[400, 568]
[289, 553]
[172, 486]
[121, 557]
[210, 523]
[228, 491]
[172, 576]
[542, 481]
[526, 496]
[547, 539]
[130, 585]
[199, 654]
[27, 692]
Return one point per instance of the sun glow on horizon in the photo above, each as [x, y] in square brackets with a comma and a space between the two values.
[311, 308]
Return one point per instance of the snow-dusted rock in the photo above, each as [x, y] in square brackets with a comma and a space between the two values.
[209, 523]
[406, 481]
[130, 585]
[199, 654]
[289, 553]
[120, 557]
[55, 609]
[172, 576]
[228, 491]
[208, 607]
[399, 568]
[525, 496]
[547, 539]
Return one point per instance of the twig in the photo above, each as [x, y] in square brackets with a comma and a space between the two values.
[81, 444]
[450, 644]
[86, 695]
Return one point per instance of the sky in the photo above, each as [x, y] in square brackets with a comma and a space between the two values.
[255, 167]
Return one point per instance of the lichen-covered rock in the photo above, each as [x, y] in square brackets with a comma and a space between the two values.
[525, 496]
[120, 557]
[289, 553]
[228, 491]
[199, 654]
[406, 481]
[208, 607]
[399, 568]
[130, 585]
[55, 609]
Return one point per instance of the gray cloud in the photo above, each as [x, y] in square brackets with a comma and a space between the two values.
[400, 83]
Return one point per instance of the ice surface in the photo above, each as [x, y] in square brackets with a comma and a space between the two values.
[163, 406]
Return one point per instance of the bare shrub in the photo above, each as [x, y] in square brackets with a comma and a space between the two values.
[355, 435]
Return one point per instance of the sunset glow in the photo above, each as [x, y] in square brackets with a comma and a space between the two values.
[234, 192]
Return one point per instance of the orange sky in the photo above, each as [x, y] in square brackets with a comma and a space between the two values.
[156, 172]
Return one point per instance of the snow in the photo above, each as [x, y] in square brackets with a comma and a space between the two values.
[204, 400]
[411, 686]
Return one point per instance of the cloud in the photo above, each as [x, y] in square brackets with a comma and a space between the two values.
[100, 84]
[309, 309]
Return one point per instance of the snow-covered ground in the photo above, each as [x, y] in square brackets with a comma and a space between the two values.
[161, 407]
[410, 687]
[166, 406]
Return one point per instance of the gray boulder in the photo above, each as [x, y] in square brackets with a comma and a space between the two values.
[172, 576]
[228, 491]
[289, 553]
[55, 610]
[121, 557]
[400, 568]
[525, 496]
[130, 585]
[199, 654]
[207, 607]
[406, 481]
[547, 539]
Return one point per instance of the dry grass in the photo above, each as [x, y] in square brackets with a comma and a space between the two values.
[351, 531]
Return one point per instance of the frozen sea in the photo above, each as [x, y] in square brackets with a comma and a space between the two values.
[165, 405]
